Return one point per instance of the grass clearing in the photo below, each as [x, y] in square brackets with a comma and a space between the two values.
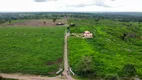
[32, 50]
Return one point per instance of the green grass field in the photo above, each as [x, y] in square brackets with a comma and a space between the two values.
[106, 54]
[31, 50]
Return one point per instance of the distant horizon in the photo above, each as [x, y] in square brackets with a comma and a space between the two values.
[70, 6]
[67, 12]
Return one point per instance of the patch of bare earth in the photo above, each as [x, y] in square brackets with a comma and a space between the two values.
[58, 61]
[30, 77]
[36, 23]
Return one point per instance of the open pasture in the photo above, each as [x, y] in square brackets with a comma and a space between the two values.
[31, 50]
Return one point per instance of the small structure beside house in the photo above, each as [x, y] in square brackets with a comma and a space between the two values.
[87, 34]
[58, 24]
[72, 24]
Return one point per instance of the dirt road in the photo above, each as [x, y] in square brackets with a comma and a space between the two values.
[66, 66]
[29, 77]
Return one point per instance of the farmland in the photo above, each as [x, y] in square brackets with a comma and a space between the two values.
[34, 23]
[31, 50]
[109, 54]
[33, 43]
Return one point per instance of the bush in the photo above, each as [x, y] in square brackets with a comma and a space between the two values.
[85, 66]
[54, 20]
[129, 70]
[112, 77]
[0, 77]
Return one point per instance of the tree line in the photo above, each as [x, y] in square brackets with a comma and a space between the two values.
[124, 17]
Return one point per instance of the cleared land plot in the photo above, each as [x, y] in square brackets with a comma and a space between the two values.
[35, 23]
[107, 53]
[31, 50]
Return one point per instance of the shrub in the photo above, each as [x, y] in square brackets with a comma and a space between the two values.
[54, 20]
[9, 22]
[0, 77]
[111, 77]
[129, 70]
[85, 66]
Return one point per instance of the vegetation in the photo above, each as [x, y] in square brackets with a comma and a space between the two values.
[54, 20]
[114, 51]
[6, 79]
[121, 16]
[31, 50]
[129, 70]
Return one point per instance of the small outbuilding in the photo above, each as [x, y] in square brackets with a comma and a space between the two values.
[59, 24]
[87, 34]
[72, 24]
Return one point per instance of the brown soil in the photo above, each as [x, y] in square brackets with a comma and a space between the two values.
[50, 63]
[36, 23]
[55, 62]
[59, 60]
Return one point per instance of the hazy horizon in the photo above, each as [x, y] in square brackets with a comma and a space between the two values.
[70, 6]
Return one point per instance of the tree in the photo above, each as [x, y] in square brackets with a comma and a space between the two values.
[54, 20]
[85, 67]
[9, 21]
